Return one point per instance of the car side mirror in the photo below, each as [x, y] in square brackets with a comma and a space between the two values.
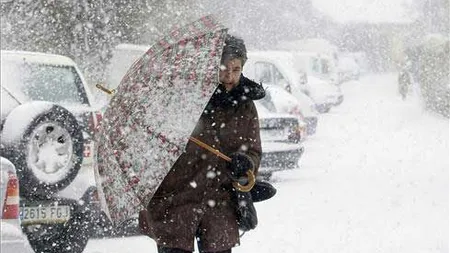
[303, 78]
[285, 84]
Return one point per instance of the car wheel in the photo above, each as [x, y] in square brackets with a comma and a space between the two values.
[71, 236]
[47, 150]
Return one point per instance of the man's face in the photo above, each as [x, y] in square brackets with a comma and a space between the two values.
[230, 72]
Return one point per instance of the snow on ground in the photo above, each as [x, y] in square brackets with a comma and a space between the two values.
[374, 178]
[12, 239]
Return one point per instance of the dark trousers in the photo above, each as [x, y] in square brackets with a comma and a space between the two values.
[162, 249]
[174, 250]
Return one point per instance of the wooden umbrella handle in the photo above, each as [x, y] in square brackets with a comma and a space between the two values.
[250, 175]
[104, 89]
[211, 149]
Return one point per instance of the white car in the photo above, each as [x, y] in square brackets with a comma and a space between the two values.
[320, 65]
[280, 141]
[12, 238]
[348, 69]
[47, 127]
[324, 91]
[278, 100]
[276, 68]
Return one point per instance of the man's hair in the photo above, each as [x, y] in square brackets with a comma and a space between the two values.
[234, 49]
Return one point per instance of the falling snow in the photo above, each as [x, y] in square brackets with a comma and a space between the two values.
[367, 83]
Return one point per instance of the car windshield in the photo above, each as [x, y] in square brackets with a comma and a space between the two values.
[59, 84]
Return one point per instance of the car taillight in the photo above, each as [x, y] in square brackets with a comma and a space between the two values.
[94, 121]
[297, 112]
[295, 134]
[11, 204]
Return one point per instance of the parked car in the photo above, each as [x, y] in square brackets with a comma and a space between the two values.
[12, 238]
[278, 100]
[320, 65]
[324, 91]
[124, 55]
[348, 69]
[280, 141]
[47, 127]
[276, 68]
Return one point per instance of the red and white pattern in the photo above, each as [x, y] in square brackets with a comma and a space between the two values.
[148, 122]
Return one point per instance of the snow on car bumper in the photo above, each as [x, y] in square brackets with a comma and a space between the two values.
[339, 100]
[12, 237]
[15, 245]
[278, 156]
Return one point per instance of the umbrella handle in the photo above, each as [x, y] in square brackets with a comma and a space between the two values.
[237, 185]
[251, 182]
[210, 149]
[104, 89]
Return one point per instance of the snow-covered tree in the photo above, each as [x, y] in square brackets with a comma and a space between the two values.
[87, 30]
[81, 30]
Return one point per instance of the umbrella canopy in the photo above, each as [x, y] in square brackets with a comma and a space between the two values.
[150, 118]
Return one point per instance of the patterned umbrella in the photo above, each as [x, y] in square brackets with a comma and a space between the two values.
[150, 118]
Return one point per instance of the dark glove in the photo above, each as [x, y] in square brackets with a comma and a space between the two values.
[240, 164]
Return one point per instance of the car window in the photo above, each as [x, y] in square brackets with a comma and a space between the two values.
[263, 71]
[279, 78]
[53, 83]
[325, 67]
[315, 65]
[8, 102]
[261, 108]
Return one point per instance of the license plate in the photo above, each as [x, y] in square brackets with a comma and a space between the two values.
[44, 214]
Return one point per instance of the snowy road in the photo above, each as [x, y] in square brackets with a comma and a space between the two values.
[375, 178]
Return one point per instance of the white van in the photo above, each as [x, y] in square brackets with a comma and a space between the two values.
[318, 57]
[317, 65]
[124, 55]
[276, 68]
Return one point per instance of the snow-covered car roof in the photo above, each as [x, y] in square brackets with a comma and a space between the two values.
[285, 101]
[37, 57]
[264, 113]
[313, 45]
[321, 86]
[135, 47]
